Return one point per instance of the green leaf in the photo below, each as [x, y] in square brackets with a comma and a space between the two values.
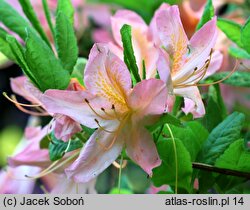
[245, 35]
[43, 64]
[66, 42]
[129, 56]
[215, 109]
[238, 53]
[66, 7]
[207, 14]
[78, 71]
[192, 135]
[238, 78]
[48, 17]
[121, 191]
[231, 29]
[165, 118]
[57, 148]
[5, 46]
[18, 51]
[12, 20]
[31, 15]
[166, 172]
[221, 137]
[235, 157]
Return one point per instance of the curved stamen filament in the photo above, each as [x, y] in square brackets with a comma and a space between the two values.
[51, 169]
[13, 100]
[116, 134]
[221, 80]
[196, 72]
[101, 127]
[31, 112]
[98, 115]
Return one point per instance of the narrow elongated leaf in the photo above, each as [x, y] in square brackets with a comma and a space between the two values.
[231, 29]
[48, 17]
[31, 15]
[57, 148]
[12, 20]
[215, 109]
[18, 52]
[78, 71]
[129, 56]
[166, 172]
[207, 14]
[66, 42]
[43, 64]
[221, 137]
[238, 78]
[245, 35]
[5, 46]
[66, 7]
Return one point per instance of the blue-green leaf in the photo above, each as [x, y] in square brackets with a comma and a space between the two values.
[221, 137]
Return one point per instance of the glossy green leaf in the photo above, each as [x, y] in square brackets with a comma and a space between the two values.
[215, 109]
[235, 157]
[19, 53]
[207, 15]
[66, 42]
[12, 20]
[43, 64]
[231, 29]
[57, 148]
[31, 15]
[129, 56]
[238, 53]
[192, 135]
[245, 35]
[221, 137]
[66, 7]
[166, 172]
[5, 46]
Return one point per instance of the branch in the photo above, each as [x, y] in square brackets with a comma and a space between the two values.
[225, 171]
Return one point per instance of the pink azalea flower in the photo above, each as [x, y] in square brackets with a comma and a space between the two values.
[117, 112]
[13, 180]
[186, 61]
[64, 126]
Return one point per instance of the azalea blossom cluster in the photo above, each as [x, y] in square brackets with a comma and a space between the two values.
[112, 104]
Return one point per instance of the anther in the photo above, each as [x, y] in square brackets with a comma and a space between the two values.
[86, 100]
[113, 107]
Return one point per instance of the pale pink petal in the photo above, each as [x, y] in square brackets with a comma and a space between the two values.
[153, 33]
[126, 17]
[13, 180]
[101, 36]
[215, 64]
[141, 148]
[65, 127]
[107, 76]
[31, 154]
[73, 104]
[149, 97]
[70, 187]
[99, 152]
[21, 86]
[163, 67]
[195, 104]
[172, 34]
[200, 48]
